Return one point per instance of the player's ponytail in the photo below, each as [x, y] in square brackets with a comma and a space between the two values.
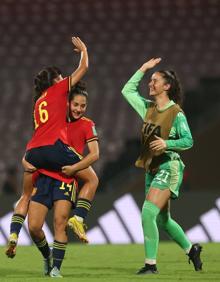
[175, 91]
[78, 89]
[44, 80]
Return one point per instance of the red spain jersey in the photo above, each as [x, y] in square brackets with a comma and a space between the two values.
[79, 133]
[50, 116]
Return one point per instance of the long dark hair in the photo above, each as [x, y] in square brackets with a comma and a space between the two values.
[175, 92]
[44, 79]
[78, 89]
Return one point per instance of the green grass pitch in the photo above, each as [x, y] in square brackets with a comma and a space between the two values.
[115, 263]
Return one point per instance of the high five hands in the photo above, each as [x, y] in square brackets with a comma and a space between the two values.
[78, 44]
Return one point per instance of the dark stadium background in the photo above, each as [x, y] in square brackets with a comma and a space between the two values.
[120, 36]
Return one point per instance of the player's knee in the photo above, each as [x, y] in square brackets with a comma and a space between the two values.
[28, 166]
[34, 230]
[24, 199]
[149, 212]
[60, 223]
[162, 220]
[94, 181]
[26, 196]
[89, 177]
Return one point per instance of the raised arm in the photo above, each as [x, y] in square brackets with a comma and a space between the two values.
[84, 61]
[130, 90]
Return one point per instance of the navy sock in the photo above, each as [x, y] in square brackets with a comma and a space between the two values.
[43, 247]
[17, 221]
[59, 249]
[82, 207]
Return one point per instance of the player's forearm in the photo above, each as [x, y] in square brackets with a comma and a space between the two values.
[131, 94]
[179, 144]
[87, 161]
[131, 87]
[82, 68]
[84, 61]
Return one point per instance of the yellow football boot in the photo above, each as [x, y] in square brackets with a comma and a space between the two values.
[12, 243]
[78, 228]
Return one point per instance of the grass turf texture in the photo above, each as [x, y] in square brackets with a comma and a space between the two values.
[115, 263]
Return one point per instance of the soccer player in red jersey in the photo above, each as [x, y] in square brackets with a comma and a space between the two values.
[50, 192]
[47, 148]
[80, 131]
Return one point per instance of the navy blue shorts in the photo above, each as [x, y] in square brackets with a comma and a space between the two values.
[47, 190]
[52, 157]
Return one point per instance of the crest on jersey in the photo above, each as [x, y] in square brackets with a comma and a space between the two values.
[94, 130]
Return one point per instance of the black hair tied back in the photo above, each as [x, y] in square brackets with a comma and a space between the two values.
[78, 89]
[175, 91]
[44, 79]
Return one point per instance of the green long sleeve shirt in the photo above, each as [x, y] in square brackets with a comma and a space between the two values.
[180, 137]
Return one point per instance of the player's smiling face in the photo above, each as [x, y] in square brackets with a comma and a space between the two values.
[78, 106]
[157, 84]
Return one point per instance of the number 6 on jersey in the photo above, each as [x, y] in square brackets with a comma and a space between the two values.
[43, 114]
